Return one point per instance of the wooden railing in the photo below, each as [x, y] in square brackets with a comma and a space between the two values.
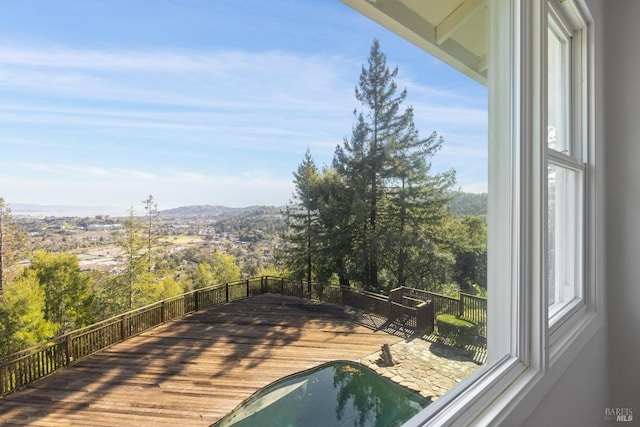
[469, 307]
[20, 369]
[412, 308]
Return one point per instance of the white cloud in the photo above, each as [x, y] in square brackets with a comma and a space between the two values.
[121, 188]
[257, 78]
[270, 104]
[475, 187]
[64, 58]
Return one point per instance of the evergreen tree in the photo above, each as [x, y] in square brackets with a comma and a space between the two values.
[416, 199]
[302, 220]
[345, 206]
[108, 296]
[385, 170]
[132, 244]
[469, 247]
[340, 248]
[13, 246]
[151, 239]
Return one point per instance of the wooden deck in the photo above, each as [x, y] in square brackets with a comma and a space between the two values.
[193, 371]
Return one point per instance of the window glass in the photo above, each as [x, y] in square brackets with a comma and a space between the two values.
[558, 85]
[564, 236]
[565, 174]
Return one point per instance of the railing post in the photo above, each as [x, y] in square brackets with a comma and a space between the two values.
[395, 296]
[2, 383]
[163, 316]
[227, 291]
[460, 306]
[247, 282]
[196, 300]
[69, 346]
[123, 327]
[424, 317]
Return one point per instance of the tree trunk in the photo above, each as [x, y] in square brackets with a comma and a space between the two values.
[402, 253]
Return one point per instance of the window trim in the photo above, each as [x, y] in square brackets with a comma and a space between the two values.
[526, 358]
[577, 21]
[571, 159]
[538, 354]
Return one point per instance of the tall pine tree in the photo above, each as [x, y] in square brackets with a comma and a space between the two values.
[302, 220]
[384, 164]
[370, 219]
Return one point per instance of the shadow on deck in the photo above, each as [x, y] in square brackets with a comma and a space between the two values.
[194, 370]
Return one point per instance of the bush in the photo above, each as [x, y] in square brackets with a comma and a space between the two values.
[458, 330]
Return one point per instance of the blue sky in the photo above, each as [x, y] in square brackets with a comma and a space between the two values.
[201, 101]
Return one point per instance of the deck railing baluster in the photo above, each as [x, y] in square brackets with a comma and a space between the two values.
[23, 368]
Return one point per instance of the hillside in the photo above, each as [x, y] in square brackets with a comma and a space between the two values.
[205, 211]
[469, 204]
[254, 223]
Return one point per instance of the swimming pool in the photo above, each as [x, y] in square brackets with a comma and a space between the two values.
[336, 394]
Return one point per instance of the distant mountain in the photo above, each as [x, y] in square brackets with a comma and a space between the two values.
[24, 209]
[64, 210]
[206, 211]
[468, 204]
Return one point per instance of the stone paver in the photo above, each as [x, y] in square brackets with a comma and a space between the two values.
[429, 368]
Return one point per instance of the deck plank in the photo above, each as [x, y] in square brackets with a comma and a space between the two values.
[196, 369]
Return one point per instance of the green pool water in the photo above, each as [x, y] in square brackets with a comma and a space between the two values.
[336, 394]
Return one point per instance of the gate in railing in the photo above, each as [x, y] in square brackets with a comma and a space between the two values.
[468, 307]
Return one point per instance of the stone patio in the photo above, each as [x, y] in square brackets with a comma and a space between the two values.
[425, 366]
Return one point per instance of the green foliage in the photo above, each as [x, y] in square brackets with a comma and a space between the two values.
[302, 219]
[479, 291]
[109, 296]
[272, 271]
[150, 235]
[222, 268]
[22, 321]
[133, 245]
[364, 218]
[458, 330]
[68, 296]
[148, 292]
[254, 224]
[203, 276]
[468, 243]
[13, 245]
[447, 289]
[472, 204]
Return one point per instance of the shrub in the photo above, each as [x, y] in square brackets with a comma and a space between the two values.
[458, 330]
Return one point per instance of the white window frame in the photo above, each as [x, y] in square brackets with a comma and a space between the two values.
[572, 19]
[526, 356]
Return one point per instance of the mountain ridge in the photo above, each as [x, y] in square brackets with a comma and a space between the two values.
[61, 210]
[207, 210]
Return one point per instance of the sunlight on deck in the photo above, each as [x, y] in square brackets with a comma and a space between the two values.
[196, 369]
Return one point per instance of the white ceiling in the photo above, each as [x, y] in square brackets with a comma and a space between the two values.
[453, 30]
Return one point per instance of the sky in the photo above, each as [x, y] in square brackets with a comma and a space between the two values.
[196, 102]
